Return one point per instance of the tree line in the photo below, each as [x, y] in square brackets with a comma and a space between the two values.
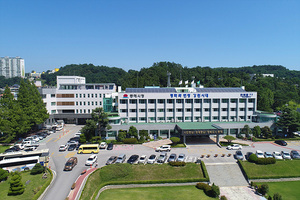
[19, 116]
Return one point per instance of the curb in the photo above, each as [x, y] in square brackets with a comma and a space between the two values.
[45, 191]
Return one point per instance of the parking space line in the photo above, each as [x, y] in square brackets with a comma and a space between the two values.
[70, 154]
[49, 140]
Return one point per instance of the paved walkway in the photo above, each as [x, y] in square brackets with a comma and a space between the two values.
[240, 193]
[158, 143]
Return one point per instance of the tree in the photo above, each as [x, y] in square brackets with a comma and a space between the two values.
[288, 121]
[16, 185]
[37, 169]
[175, 140]
[143, 134]
[122, 135]
[263, 189]
[265, 99]
[133, 132]
[101, 118]
[256, 131]
[89, 129]
[266, 132]
[229, 138]
[3, 174]
[246, 130]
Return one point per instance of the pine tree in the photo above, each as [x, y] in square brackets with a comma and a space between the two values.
[16, 185]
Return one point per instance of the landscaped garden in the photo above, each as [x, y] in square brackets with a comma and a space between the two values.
[141, 174]
[149, 193]
[288, 189]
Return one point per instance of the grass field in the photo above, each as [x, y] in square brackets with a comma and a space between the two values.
[132, 173]
[150, 193]
[281, 169]
[3, 148]
[34, 182]
[288, 190]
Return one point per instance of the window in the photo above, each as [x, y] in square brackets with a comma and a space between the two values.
[80, 110]
[206, 100]
[96, 103]
[188, 118]
[179, 101]
[132, 101]
[132, 118]
[151, 101]
[84, 103]
[179, 118]
[179, 110]
[100, 103]
[216, 100]
[65, 95]
[224, 117]
[242, 109]
[215, 118]
[95, 95]
[170, 118]
[188, 100]
[197, 109]
[224, 109]
[142, 110]
[206, 118]
[242, 100]
[160, 101]
[88, 103]
[142, 118]
[80, 103]
[170, 101]
[92, 95]
[206, 109]
[54, 103]
[232, 118]
[170, 110]
[142, 101]
[53, 111]
[161, 118]
[250, 109]
[216, 109]
[132, 110]
[251, 100]
[151, 110]
[161, 110]
[233, 100]
[99, 95]
[188, 110]
[198, 100]
[151, 118]
[77, 111]
[225, 100]
[197, 118]
[103, 95]
[88, 95]
[84, 111]
[233, 109]
[76, 95]
[76, 103]
[123, 101]
[83, 95]
[80, 96]
[123, 110]
[92, 103]
[52, 95]
[89, 111]
[242, 117]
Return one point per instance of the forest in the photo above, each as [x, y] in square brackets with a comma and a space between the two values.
[273, 92]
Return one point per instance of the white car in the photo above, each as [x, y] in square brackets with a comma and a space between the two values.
[103, 145]
[143, 159]
[286, 155]
[277, 155]
[234, 147]
[181, 157]
[91, 160]
[259, 154]
[77, 134]
[63, 147]
[163, 148]
[151, 159]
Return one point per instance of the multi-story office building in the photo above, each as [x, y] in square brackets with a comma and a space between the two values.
[12, 67]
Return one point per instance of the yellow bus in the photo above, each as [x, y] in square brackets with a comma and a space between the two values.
[88, 148]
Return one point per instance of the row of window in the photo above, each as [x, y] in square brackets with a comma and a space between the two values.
[232, 118]
[186, 110]
[171, 101]
[77, 111]
[77, 95]
[78, 103]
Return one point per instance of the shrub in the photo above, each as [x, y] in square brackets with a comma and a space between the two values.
[175, 140]
[223, 197]
[16, 185]
[130, 141]
[266, 161]
[215, 191]
[3, 174]
[35, 190]
[211, 191]
[177, 164]
[263, 189]
[37, 169]
[203, 186]
[252, 158]
[269, 198]
[277, 196]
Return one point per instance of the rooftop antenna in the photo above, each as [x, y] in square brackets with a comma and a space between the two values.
[169, 83]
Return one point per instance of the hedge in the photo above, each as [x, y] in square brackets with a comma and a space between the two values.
[40, 192]
[177, 164]
[243, 170]
[204, 170]
[266, 161]
[130, 141]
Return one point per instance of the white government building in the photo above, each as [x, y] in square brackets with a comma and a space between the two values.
[12, 67]
[187, 112]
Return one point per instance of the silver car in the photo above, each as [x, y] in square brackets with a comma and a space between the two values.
[181, 157]
[151, 159]
[121, 158]
[239, 155]
[162, 158]
[172, 157]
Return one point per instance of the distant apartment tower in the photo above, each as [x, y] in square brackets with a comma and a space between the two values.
[12, 67]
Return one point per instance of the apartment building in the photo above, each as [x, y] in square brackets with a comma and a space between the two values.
[12, 67]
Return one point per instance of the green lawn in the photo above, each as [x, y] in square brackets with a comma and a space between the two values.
[34, 182]
[150, 193]
[178, 146]
[3, 148]
[126, 173]
[288, 190]
[281, 169]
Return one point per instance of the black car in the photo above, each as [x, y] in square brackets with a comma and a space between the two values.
[295, 154]
[110, 146]
[248, 154]
[72, 147]
[133, 159]
[9, 150]
[281, 142]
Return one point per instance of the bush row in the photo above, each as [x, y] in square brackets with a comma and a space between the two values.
[177, 164]
[204, 170]
[211, 191]
[262, 161]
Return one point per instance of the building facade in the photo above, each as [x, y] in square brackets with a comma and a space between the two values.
[12, 67]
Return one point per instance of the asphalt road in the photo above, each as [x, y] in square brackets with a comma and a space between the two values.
[64, 180]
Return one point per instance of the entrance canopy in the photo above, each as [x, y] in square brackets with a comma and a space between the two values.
[198, 128]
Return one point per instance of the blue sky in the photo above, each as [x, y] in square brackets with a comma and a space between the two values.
[134, 34]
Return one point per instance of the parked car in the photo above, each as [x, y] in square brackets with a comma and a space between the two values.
[259, 154]
[268, 155]
[172, 157]
[151, 159]
[91, 160]
[10, 150]
[181, 157]
[70, 164]
[72, 147]
[29, 148]
[111, 160]
[285, 155]
[110, 146]
[162, 158]
[63, 147]
[295, 154]
[133, 159]
[143, 159]
[239, 155]
[248, 154]
[234, 147]
[281, 142]
[163, 148]
[20, 146]
[103, 145]
[121, 158]
[277, 155]
[77, 134]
